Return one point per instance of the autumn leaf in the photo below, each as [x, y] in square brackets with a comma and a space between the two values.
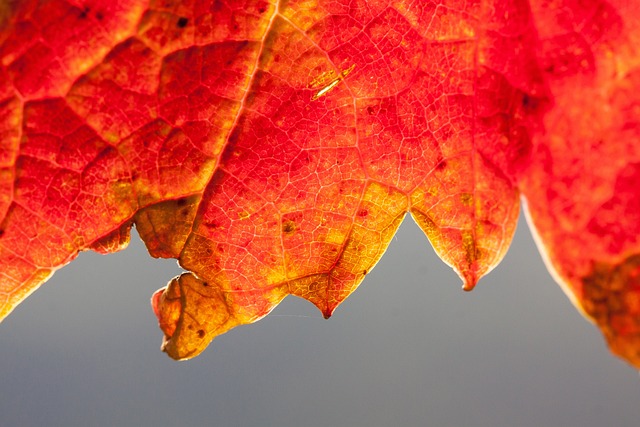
[274, 148]
[583, 184]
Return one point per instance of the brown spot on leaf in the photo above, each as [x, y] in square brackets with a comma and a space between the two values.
[530, 103]
[288, 227]
[85, 12]
[182, 22]
[611, 296]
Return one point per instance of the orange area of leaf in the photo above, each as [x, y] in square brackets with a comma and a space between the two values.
[273, 148]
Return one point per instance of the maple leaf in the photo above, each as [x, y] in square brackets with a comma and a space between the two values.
[273, 148]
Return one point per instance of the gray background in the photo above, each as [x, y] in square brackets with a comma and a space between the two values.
[408, 348]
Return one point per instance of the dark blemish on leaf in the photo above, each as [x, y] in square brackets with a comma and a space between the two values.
[288, 227]
[85, 12]
[1, 233]
[441, 165]
[205, 284]
[184, 212]
[363, 212]
[371, 110]
[181, 202]
[134, 176]
[211, 225]
[182, 22]
[530, 103]
[99, 16]
[364, 273]
[603, 288]
[200, 333]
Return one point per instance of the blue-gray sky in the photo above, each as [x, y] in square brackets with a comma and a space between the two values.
[408, 348]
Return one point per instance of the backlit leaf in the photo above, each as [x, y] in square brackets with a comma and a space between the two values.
[273, 148]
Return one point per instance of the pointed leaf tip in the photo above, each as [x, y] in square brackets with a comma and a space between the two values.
[469, 282]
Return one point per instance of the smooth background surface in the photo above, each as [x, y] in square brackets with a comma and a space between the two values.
[409, 348]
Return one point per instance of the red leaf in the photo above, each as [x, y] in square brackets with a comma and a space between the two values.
[582, 187]
[275, 149]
